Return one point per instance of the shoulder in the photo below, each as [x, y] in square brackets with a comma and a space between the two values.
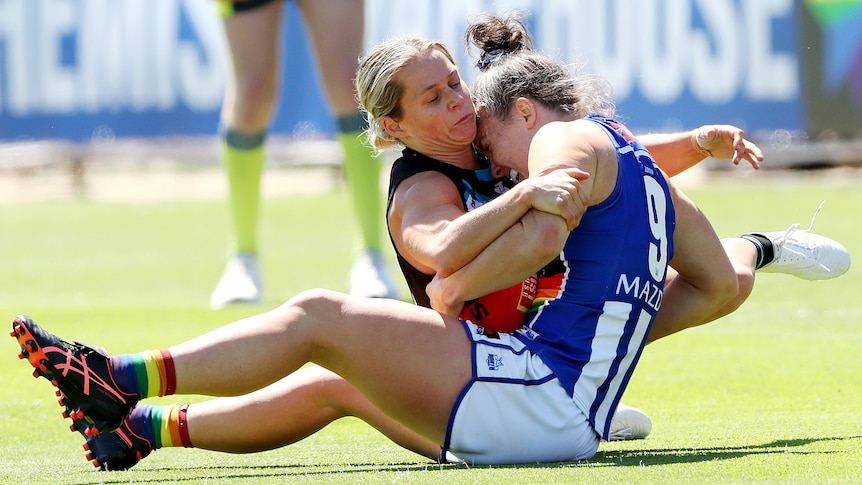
[577, 133]
[428, 187]
[582, 126]
[577, 136]
[414, 168]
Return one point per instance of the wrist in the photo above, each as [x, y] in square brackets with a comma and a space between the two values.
[700, 139]
[449, 296]
[525, 196]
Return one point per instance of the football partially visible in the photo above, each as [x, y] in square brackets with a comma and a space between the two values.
[504, 310]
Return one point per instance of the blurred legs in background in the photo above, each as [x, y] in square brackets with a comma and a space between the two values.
[336, 29]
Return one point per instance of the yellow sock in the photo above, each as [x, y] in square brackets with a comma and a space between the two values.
[243, 158]
[362, 175]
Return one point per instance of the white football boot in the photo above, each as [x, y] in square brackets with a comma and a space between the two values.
[806, 255]
[369, 277]
[240, 282]
[629, 424]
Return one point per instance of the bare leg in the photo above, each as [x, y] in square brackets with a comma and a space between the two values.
[336, 30]
[704, 283]
[252, 89]
[409, 361]
[296, 407]
[743, 257]
[254, 40]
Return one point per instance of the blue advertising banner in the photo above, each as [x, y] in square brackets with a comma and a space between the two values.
[90, 69]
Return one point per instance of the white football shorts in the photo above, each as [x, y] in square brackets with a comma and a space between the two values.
[514, 410]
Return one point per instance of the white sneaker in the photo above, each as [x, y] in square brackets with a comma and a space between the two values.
[805, 255]
[630, 424]
[240, 282]
[369, 277]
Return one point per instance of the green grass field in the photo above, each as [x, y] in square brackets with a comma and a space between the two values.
[770, 394]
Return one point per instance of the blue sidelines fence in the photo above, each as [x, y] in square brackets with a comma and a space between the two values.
[100, 70]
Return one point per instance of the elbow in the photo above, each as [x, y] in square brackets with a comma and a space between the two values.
[549, 236]
[443, 262]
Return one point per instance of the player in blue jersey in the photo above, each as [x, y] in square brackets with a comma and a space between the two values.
[440, 177]
[429, 214]
[581, 343]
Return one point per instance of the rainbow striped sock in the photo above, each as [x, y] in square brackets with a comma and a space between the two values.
[149, 373]
[162, 426]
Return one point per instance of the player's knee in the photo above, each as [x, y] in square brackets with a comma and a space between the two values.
[316, 319]
[745, 279]
[724, 287]
[317, 303]
[320, 310]
[253, 105]
[744, 286]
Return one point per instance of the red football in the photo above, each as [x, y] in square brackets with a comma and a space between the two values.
[504, 310]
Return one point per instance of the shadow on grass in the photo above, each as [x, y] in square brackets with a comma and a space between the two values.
[645, 457]
[258, 472]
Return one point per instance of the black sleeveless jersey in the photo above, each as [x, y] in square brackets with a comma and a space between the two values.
[475, 186]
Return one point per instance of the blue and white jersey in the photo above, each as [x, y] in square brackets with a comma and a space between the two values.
[592, 319]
